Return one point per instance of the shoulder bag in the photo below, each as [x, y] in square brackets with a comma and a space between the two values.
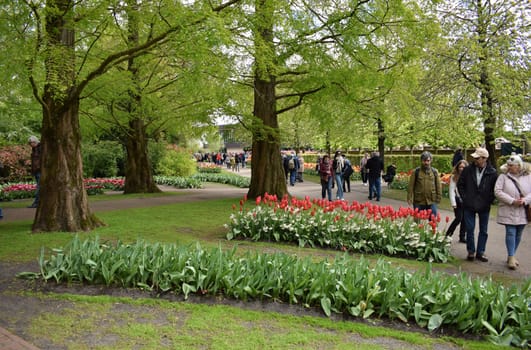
[527, 207]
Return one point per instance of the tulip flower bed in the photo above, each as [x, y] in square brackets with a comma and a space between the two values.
[204, 167]
[431, 299]
[355, 227]
[108, 184]
[93, 186]
[196, 180]
[224, 178]
[9, 192]
[178, 181]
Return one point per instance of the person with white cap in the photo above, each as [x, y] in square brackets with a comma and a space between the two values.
[513, 190]
[35, 144]
[476, 187]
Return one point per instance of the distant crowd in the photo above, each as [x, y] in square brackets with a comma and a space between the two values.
[232, 160]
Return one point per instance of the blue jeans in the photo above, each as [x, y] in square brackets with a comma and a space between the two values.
[326, 186]
[1, 215]
[513, 235]
[339, 184]
[432, 206]
[470, 222]
[375, 187]
[292, 177]
[38, 190]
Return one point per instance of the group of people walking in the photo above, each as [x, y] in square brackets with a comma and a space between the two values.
[334, 172]
[293, 167]
[339, 170]
[472, 191]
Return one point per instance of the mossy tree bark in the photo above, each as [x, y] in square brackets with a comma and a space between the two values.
[138, 172]
[63, 204]
[266, 166]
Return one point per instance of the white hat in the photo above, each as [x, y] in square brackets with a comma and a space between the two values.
[480, 152]
[515, 159]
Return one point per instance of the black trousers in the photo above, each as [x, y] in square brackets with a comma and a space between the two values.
[459, 219]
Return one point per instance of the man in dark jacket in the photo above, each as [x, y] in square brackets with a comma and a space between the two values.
[375, 168]
[476, 187]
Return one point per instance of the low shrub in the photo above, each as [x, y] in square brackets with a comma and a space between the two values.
[176, 163]
[101, 159]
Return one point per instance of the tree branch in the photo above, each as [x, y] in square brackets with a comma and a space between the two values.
[301, 96]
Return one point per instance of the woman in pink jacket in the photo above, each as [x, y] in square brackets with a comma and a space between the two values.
[513, 190]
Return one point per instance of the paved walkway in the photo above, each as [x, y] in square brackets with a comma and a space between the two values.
[496, 250]
[495, 246]
[9, 341]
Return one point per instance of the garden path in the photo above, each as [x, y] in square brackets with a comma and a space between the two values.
[495, 246]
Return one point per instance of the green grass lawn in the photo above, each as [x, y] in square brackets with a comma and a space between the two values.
[183, 325]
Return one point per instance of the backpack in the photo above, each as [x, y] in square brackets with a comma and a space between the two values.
[291, 163]
[433, 170]
[348, 171]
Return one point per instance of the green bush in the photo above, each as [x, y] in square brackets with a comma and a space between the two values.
[176, 163]
[156, 151]
[443, 163]
[101, 159]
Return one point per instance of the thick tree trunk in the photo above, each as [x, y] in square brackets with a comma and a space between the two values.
[63, 204]
[138, 175]
[267, 172]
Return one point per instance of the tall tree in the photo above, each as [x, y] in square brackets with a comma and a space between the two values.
[167, 92]
[296, 47]
[489, 44]
[138, 170]
[64, 205]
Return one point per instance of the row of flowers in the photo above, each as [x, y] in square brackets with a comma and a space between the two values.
[94, 186]
[340, 225]
[9, 192]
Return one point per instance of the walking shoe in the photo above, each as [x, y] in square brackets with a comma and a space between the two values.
[516, 262]
[470, 257]
[462, 240]
[482, 257]
[33, 206]
[511, 263]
